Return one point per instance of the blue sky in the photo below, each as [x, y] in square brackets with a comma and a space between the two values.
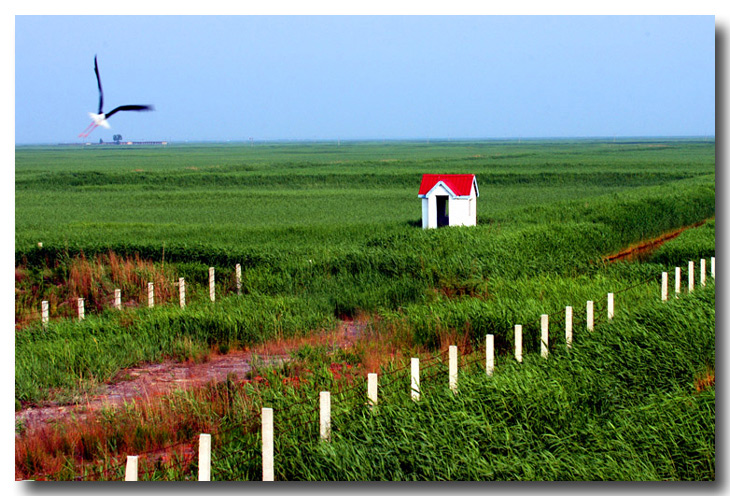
[363, 77]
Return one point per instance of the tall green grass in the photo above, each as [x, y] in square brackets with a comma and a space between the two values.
[536, 248]
[690, 245]
[629, 401]
[307, 196]
[623, 404]
[72, 356]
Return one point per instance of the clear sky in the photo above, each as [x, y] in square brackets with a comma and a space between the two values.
[355, 77]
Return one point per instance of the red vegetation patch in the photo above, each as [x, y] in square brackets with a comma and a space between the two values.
[706, 381]
[94, 280]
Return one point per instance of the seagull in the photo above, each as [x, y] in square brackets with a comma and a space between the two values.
[100, 119]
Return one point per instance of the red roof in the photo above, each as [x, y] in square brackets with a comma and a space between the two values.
[460, 184]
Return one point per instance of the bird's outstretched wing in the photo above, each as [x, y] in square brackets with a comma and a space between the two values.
[98, 82]
[130, 107]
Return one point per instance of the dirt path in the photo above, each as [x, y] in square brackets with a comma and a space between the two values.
[648, 246]
[149, 380]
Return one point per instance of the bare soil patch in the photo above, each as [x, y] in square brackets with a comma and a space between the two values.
[647, 247]
[146, 381]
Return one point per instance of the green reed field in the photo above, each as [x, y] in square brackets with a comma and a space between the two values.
[335, 231]
[324, 232]
[306, 198]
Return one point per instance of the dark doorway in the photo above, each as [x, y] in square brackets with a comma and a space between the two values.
[442, 211]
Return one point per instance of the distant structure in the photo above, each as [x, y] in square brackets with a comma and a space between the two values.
[121, 143]
[448, 200]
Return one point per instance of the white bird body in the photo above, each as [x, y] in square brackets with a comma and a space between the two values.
[99, 120]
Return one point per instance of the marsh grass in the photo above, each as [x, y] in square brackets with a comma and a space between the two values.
[343, 238]
[622, 404]
[68, 355]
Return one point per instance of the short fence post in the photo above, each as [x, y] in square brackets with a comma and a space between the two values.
[415, 379]
[211, 282]
[610, 306]
[712, 267]
[677, 281]
[44, 313]
[150, 295]
[238, 278]
[204, 458]
[544, 326]
[81, 308]
[703, 272]
[690, 276]
[267, 444]
[118, 299]
[181, 283]
[453, 367]
[518, 342]
[569, 326]
[325, 423]
[589, 315]
[665, 286]
[490, 354]
[132, 470]
[372, 389]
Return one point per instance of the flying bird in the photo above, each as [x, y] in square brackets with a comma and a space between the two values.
[101, 118]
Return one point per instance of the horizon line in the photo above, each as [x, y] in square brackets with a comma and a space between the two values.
[346, 140]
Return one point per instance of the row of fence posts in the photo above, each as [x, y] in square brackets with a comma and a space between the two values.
[325, 417]
[325, 412]
[150, 295]
[568, 316]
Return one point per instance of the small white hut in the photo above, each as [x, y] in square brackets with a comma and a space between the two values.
[448, 200]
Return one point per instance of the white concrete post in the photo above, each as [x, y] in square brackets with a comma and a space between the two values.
[325, 415]
[703, 272]
[490, 354]
[569, 326]
[415, 379]
[238, 278]
[518, 342]
[609, 306]
[267, 443]
[44, 313]
[712, 267]
[665, 286]
[181, 284]
[211, 282]
[677, 281]
[81, 308]
[204, 458]
[118, 299]
[150, 295]
[589, 315]
[544, 328]
[131, 472]
[453, 367]
[372, 389]
[690, 276]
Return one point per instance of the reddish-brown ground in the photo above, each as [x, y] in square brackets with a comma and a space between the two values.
[150, 380]
[648, 246]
